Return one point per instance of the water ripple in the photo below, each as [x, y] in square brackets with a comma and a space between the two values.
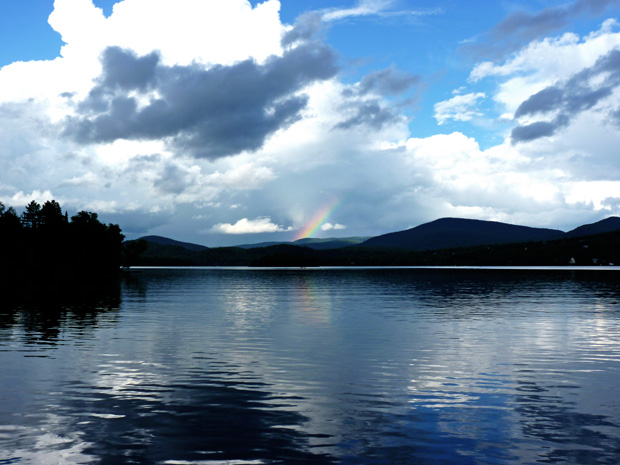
[319, 366]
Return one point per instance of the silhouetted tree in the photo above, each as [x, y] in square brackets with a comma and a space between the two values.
[31, 218]
[95, 244]
[9, 220]
[11, 240]
[42, 244]
[51, 215]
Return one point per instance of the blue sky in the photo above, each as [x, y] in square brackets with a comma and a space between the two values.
[229, 121]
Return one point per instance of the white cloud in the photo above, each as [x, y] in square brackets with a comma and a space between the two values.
[104, 206]
[87, 179]
[330, 226]
[458, 108]
[184, 32]
[465, 175]
[245, 226]
[21, 199]
[372, 8]
[363, 8]
[245, 176]
[545, 62]
[187, 31]
[592, 192]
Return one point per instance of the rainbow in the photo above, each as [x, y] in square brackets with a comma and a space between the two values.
[318, 219]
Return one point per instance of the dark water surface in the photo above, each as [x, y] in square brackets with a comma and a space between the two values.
[391, 366]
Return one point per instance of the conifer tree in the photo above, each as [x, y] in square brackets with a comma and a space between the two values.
[31, 218]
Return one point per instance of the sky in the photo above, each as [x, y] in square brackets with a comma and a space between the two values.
[224, 122]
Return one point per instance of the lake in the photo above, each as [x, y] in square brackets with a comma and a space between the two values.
[316, 366]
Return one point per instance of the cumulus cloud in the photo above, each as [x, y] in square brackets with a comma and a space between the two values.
[208, 113]
[458, 108]
[568, 99]
[178, 30]
[305, 28]
[21, 199]
[611, 203]
[243, 177]
[330, 227]
[365, 104]
[245, 226]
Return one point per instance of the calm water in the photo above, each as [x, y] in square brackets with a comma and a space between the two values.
[226, 366]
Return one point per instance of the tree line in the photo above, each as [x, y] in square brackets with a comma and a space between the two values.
[43, 242]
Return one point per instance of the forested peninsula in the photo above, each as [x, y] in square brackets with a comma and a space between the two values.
[44, 245]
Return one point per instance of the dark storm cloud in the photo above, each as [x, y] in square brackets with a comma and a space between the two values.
[306, 28]
[522, 27]
[534, 131]
[209, 113]
[568, 99]
[369, 113]
[546, 100]
[125, 71]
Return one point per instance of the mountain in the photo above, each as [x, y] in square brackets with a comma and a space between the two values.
[604, 226]
[165, 251]
[167, 241]
[446, 233]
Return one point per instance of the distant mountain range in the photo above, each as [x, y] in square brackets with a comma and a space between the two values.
[444, 233]
[439, 235]
[316, 244]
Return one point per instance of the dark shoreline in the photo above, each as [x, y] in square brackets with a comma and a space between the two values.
[595, 250]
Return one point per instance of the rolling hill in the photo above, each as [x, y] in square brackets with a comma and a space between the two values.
[171, 242]
[446, 233]
[604, 226]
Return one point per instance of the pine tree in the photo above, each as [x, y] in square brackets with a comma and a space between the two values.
[31, 218]
[51, 214]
